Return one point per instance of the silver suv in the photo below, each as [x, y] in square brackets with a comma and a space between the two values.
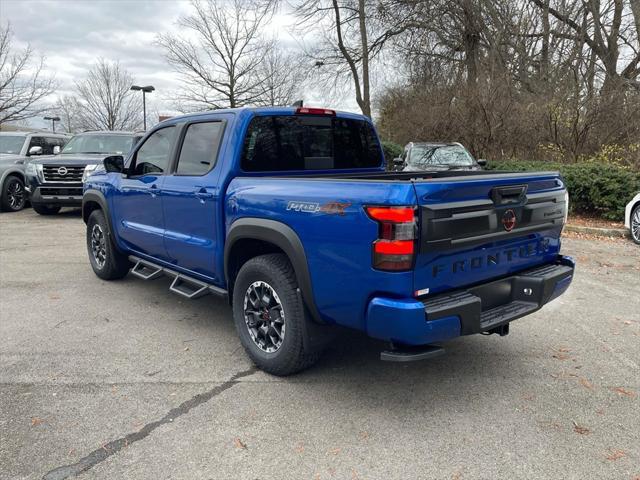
[15, 149]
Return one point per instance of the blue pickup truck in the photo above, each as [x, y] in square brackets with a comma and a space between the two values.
[290, 214]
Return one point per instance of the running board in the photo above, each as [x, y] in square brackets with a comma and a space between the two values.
[182, 284]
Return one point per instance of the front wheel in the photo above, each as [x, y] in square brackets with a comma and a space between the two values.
[107, 262]
[270, 317]
[13, 195]
[635, 224]
[45, 209]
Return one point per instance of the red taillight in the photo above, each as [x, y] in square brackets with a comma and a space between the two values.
[395, 248]
[314, 111]
[391, 214]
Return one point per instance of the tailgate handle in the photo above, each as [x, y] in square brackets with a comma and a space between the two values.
[509, 195]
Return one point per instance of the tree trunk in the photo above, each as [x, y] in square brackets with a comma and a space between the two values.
[366, 96]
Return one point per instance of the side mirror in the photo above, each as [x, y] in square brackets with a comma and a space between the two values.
[114, 163]
[482, 162]
[35, 150]
[56, 149]
[398, 161]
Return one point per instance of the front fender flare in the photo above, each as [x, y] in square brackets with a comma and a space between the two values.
[285, 238]
[96, 196]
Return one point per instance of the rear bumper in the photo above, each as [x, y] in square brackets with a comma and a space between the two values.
[473, 310]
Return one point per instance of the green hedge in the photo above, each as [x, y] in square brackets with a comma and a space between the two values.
[594, 188]
[391, 151]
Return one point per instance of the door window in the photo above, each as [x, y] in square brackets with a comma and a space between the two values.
[199, 148]
[51, 142]
[36, 142]
[154, 156]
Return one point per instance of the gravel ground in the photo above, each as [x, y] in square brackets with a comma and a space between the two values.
[125, 380]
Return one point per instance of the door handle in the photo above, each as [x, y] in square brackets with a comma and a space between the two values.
[202, 194]
[153, 190]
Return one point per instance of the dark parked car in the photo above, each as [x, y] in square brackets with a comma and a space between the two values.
[15, 150]
[419, 156]
[54, 182]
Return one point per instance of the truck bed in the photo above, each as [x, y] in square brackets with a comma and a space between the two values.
[410, 176]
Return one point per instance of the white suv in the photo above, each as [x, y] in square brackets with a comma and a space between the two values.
[632, 218]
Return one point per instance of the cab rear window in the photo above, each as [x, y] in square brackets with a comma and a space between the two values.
[309, 142]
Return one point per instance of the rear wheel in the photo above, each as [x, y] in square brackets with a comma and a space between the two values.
[46, 209]
[13, 195]
[635, 224]
[270, 317]
[107, 262]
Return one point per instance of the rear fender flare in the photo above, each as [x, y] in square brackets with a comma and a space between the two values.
[285, 238]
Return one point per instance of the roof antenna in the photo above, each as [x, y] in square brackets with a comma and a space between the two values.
[297, 104]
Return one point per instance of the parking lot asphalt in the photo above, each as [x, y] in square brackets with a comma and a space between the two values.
[124, 380]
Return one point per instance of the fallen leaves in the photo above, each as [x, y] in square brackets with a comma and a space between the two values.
[586, 383]
[35, 421]
[299, 448]
[335, 451]
[623, 392]
[239, 444]
[580, 429]
[561, 356]
[614, 455]
[562, 353]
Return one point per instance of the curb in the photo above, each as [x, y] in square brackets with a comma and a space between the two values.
[601, 232]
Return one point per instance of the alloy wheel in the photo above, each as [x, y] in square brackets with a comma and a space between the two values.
[635, 225]
[98, 246]
[264, 316]
[15, 195]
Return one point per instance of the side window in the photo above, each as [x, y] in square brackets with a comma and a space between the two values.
[49, 143]
[36, 142]
[154, 155]
[200, 148]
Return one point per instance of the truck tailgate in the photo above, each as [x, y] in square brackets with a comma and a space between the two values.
[477, 228]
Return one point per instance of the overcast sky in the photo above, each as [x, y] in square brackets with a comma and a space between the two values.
[72, 34]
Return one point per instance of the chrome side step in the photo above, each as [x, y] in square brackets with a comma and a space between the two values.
[182, 284]
[188, 287]
[145, 270]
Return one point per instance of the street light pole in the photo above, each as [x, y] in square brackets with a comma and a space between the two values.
[145, 90]
[53, 122]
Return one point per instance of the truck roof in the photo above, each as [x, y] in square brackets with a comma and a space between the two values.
[259, 111]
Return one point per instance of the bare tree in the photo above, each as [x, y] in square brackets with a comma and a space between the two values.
[106, 102]
[282, 75]
[23, 83]
[537, 78]
[354, 34]
[220, 65]
[68, 109]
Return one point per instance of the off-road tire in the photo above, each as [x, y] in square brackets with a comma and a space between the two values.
[291, 356]
[115, 264]
[12, 188]
[45, 209]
